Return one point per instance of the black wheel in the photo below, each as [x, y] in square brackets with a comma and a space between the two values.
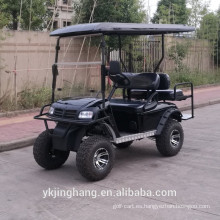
[95, 158]
[171, 139]
[44, 155]
[124, 145]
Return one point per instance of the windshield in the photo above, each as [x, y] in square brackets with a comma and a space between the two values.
[79, 63]
[79, 67]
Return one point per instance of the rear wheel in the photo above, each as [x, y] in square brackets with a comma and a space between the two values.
[124, 145]
[44, 155]
[95, 158]
[171, 139]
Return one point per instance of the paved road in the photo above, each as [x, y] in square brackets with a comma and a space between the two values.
[194, 174]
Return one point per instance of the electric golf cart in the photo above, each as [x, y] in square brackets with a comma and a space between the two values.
[93, 126]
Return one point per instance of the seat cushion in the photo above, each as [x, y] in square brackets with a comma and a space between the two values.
[132, 106]
[148, 81]
[139, 94]
[169, 95]
[127, 105]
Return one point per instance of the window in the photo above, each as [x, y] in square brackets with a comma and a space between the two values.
[66, 23]
[55, 24]
[67, 2]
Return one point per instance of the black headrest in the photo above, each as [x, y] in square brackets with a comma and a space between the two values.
[115, 68]
[164, 81]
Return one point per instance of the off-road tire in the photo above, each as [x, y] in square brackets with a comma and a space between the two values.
[124, 145]
[86, 157]
[44, 155]
[171, 139]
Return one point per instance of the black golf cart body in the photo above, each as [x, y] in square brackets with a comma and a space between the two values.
[143, 110]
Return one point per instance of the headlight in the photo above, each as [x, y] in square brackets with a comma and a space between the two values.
[51, 110]
[85, 115]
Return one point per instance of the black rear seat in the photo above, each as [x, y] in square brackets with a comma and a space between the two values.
[164, 93]
[143, 85]
[168, 94]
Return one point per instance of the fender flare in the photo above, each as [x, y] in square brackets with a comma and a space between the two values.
[170, 113]
[110, 131]
[67, 138]
[75, 136]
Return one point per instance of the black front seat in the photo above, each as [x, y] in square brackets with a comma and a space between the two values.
[147, 81]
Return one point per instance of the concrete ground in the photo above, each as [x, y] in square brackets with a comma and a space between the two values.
[193, 173]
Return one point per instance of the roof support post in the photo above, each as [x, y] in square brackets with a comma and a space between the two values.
[103, 71]
[55, 70]
[120, 45]
[158, 65]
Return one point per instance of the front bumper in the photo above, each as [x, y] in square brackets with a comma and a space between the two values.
[46, 117]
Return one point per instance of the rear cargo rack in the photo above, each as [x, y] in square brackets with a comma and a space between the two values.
[191, 96]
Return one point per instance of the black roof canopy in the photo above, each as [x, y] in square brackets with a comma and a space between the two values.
[121, 29]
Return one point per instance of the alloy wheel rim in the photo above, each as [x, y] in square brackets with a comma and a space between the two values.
[101, 158]
[175, 138]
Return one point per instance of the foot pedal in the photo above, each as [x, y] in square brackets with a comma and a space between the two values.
[186, 116]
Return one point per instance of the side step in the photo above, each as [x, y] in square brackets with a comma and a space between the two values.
[133, 137]
[187, 116]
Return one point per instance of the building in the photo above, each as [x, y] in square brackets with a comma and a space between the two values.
[63, 12]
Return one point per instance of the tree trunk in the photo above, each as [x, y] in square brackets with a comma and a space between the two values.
[14, 20]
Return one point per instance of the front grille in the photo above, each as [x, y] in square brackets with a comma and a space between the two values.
[61, 113]
[58, 112]
[70, 114]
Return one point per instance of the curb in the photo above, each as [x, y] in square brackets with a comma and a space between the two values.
[12, 145]
[19, 112]
[207, 86]
[25, 142]
[200, 105]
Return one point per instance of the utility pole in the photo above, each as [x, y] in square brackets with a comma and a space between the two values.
[19, 21]
[148, 12]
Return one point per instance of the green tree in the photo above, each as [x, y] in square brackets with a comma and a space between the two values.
[34, 13]
[217, 51]
[177, 53]
[3, 20]
[210, 29]
[130, 11]
[197, 9]
[171, 12]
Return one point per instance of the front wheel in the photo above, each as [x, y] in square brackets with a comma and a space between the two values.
[95, 158]
[170, 141]
[44, 155]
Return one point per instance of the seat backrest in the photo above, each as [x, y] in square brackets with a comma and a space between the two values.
[116, 75]
[164, 81]
[147, 81]
[115, 68]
